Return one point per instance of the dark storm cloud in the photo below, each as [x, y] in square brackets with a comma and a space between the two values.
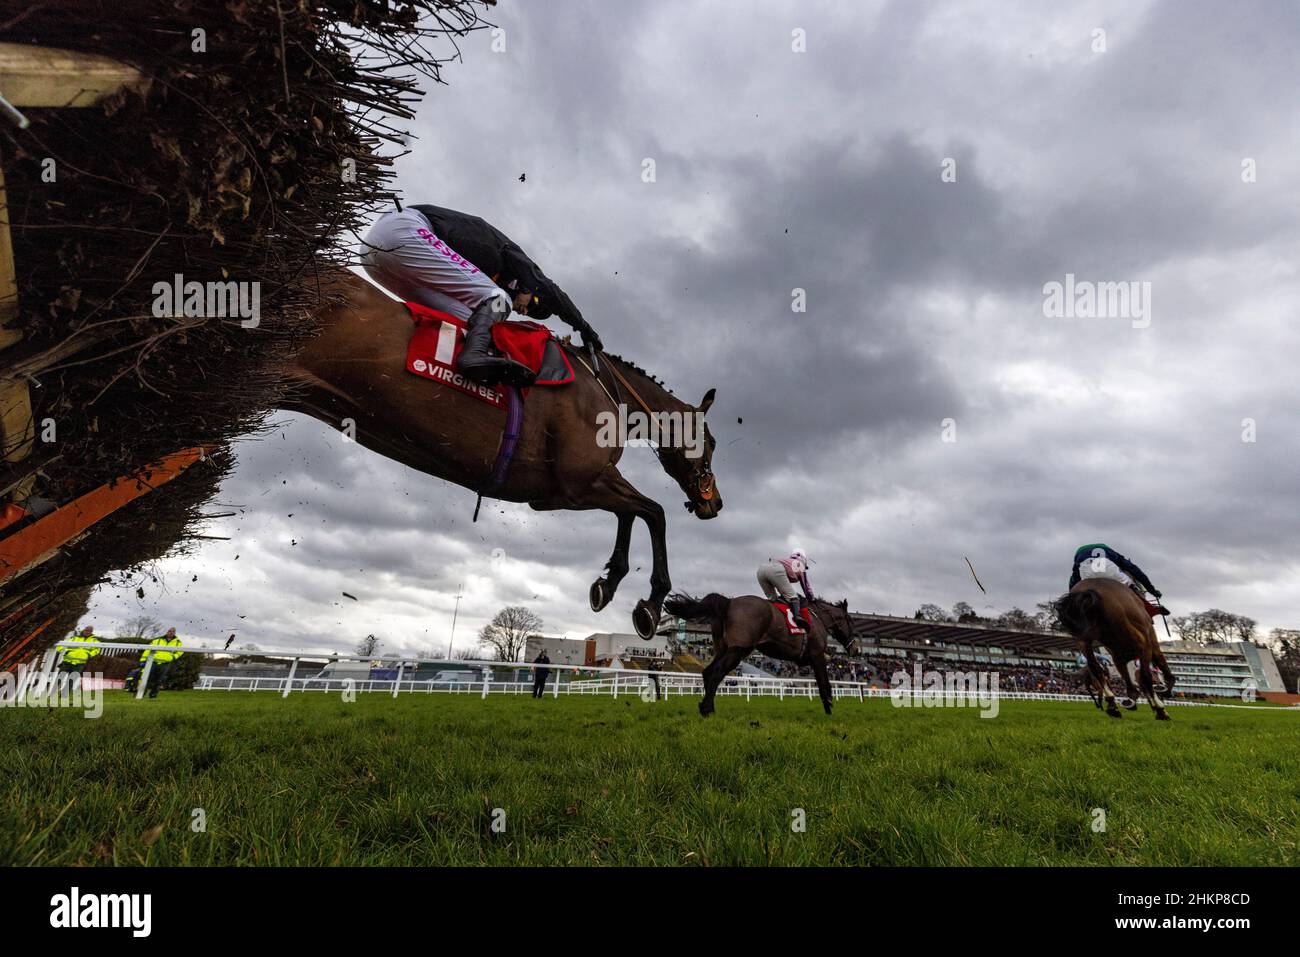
[821, 171]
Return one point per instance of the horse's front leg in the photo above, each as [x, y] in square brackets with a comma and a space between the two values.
[646, 615]
[613, 493]
[602, 589]
[823, 680]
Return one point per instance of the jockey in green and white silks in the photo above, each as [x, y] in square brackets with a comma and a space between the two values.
[1101, 561]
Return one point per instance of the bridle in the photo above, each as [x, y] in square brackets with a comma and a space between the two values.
[701, 474]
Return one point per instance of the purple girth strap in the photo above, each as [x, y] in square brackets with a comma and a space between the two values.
[509, 439]
[506, 450]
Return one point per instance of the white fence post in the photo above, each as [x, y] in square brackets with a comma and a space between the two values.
[401, 667]
[144, 678]
[288, 685]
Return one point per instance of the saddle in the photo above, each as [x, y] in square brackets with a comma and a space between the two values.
[439, 337]
[435, 349]
[805, 617]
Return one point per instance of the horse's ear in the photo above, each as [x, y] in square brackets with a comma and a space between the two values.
[708, 401]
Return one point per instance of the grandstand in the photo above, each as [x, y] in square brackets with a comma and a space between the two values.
[1027, 660]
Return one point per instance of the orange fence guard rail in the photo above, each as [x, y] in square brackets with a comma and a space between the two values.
[28, 547]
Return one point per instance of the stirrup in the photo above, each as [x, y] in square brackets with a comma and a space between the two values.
[493, 370]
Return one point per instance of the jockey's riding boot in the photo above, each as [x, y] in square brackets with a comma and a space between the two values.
[477, 362]
[796, 615]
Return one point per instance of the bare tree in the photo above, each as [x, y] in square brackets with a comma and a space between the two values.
[508, 632]
[932, 613]
[962, 611]
[1285, 645]
[141, 626]
[1206, 627]
[1017, 620]
[369, 646]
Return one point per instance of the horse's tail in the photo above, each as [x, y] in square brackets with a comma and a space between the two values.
[1079, 610]
[711, 608]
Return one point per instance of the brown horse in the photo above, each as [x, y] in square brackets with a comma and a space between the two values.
[749, 623]
[1106, 612]
[352, 375]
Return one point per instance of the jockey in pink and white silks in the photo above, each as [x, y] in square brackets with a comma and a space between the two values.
[463, 265]
[778, 578]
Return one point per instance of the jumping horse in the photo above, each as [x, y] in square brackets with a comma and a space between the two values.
[1109, 613]
[354, 369]
[750, 623]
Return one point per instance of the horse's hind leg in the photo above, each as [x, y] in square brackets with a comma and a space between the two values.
[1129, 688]
[602, 589]
[1158, 657]
[1099, 675]
[1149, 689]
[714, 672]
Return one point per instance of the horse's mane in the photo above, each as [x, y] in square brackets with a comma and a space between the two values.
[621, 361]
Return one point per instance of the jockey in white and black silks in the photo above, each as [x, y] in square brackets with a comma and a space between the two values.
[463, 265]
[1102, 561]
[778, 578]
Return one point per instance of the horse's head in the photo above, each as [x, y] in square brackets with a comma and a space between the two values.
[835, 616]
[690, 463]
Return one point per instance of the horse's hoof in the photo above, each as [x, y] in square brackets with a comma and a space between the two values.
[597, 595]
[645, 620]
[705, 712]
[1114, 712]
[1163, 716]
[1129, 705]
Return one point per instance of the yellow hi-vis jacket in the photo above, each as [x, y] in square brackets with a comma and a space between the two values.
[162, 657]
[79, 656]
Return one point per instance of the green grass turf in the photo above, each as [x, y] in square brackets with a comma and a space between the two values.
[313, 780]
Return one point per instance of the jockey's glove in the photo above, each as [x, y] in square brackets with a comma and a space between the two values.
[589, 337]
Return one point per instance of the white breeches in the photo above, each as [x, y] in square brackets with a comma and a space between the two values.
[774, 580]
[404, 256]
[1102, 567]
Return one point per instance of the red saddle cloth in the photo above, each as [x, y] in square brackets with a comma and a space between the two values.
[439, 337]
[785, 613]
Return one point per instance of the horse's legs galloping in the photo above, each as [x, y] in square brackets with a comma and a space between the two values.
[1158, 657]
[613, 493]
[715, 671]
[1126, 672]
[1103, 685]
[1149, 687]
[602, 589]
[823, 680]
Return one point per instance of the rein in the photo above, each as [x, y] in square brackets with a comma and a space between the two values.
[705, 481]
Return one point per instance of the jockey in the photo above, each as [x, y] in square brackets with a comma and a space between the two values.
[1102, 561]
[778, 577]
[463, 265]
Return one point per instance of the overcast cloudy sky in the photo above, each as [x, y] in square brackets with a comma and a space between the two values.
[823, 170]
